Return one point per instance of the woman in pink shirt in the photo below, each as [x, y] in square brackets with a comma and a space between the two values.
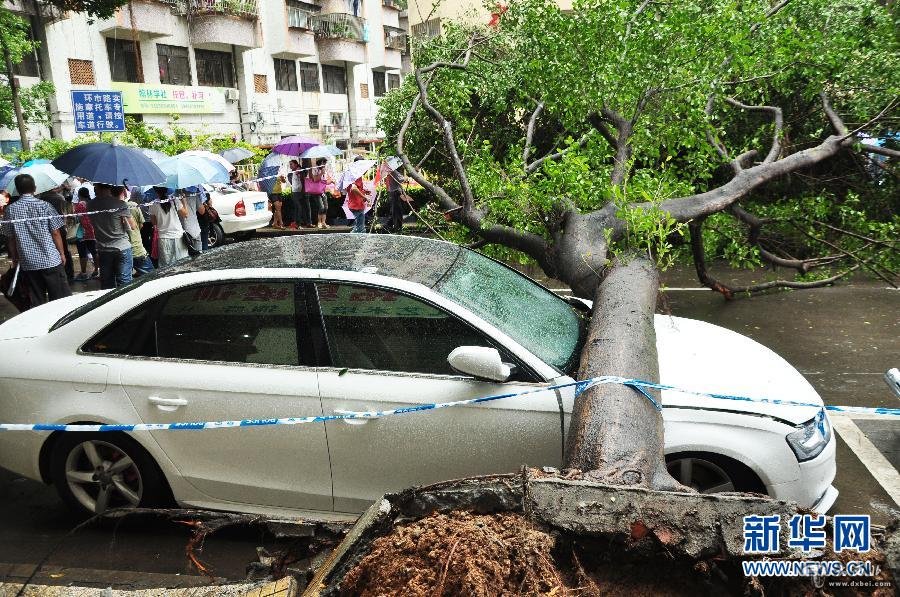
[85, 241]
[314, 187]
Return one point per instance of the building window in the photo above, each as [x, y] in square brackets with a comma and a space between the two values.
[309, 76]
[393, 81]
[81, 72]
[124, 60]
[299, 12]
[260, 84]
[214, 69]
[364, 90]
[378, 78]
[335, 79]
[285, 75]
[174, 65]
[337, 121]
[314, 122]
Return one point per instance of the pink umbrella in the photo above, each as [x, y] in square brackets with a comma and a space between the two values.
[294, 145]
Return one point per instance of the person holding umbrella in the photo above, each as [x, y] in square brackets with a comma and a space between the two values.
[357, 201]
[299, 215]
[35, 245]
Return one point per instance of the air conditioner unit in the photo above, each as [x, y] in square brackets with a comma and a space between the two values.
[232, 95]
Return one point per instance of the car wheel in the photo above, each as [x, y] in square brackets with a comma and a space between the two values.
[216, 236]
[96, 472]
[712, 473]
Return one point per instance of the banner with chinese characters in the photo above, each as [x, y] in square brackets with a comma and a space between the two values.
[97, 111]
[140, 98]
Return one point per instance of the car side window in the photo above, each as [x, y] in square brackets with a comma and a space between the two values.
[245, 322]
[372, 328]
[130, 335]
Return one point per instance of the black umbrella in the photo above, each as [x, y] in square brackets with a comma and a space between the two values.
[110, 163]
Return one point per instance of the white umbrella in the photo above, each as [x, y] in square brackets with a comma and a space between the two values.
[210, 156]
[354, 171]
[46, 177]
[4, 162]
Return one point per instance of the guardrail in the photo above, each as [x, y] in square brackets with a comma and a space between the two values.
[338, 26]
[248, 9]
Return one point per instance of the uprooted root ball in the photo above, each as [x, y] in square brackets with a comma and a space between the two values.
[459, 554]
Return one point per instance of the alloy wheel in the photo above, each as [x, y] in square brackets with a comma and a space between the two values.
[102, 476]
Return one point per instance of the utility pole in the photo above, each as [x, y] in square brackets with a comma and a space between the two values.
[17, 104]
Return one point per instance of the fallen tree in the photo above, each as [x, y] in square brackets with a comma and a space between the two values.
[586, 140]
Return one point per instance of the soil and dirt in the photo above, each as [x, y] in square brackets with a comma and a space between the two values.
[463, 553]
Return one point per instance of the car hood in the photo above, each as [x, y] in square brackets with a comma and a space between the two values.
[39, 320]
[703, 357]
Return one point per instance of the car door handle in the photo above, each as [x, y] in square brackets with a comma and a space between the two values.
[167, 404]
[361, 421]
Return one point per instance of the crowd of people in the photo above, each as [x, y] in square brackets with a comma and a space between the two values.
[121, 233]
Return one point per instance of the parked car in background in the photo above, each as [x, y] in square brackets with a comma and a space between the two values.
[242, 212]
[330, 323]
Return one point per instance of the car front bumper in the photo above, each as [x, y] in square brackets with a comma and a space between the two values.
[813, 488]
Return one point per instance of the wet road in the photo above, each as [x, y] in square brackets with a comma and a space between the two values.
[841, 338]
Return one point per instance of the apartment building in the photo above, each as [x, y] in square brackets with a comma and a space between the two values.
[257, 70]
[426, 17]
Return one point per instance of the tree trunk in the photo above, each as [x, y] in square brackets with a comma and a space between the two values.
[17, 104]
[616, 434]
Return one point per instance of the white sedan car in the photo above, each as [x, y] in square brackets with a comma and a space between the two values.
[296, 327]
[242, 212]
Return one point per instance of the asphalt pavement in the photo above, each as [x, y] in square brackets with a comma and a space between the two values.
[841, 338]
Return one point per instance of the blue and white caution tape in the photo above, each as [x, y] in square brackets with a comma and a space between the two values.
[580, 386]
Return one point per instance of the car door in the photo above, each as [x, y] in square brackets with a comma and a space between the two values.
[228, 351]
[388, 350]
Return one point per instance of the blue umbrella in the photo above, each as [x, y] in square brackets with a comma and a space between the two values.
[33, 162]
[156, 156]
[7, 174]
[192, 170]
[109, 163]
[236, 154]
[321, 151]
[46, 177]
[270, 166]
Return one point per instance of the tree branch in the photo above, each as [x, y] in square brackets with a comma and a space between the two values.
[466, 214]
[533, 166]
[891, 153]
[529, 135]
[778, 121]
[696, 232]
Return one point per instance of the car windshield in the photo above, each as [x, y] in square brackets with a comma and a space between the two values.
[528, 313]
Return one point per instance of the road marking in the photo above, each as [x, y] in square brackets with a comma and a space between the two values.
[886, 475]
[664, 288]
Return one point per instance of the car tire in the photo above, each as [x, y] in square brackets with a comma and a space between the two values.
[216, 235]
[713, 473]
[91, 474]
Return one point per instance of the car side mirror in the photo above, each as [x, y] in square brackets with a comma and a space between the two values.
[480, 362]
[892, 379]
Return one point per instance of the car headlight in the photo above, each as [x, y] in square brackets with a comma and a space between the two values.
[810, 438]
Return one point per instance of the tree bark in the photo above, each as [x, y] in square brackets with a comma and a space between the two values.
[616, 432]
[17, 103]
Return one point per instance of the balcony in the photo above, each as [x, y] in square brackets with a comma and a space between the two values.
[231, 22]
[340, 37]
[395, 38]
[427, 29]
[151, 18]
[395, 4]
[299, 40]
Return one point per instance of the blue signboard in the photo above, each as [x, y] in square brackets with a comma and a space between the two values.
[98, 111]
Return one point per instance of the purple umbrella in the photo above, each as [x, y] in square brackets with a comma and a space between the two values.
[294, 145]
